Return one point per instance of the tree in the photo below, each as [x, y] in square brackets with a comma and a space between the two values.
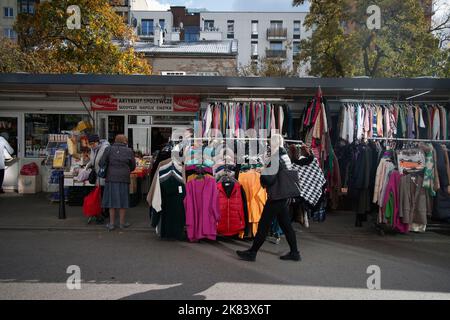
[343, 46]
[270, 67]
[15, 60]
[266, 67]
[441, 22]
[103, 44]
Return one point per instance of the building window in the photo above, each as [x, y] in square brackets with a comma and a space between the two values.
[9, 33]
[230, 29]
[254, 49]
[8, 12]
[296, 48]
[276, 45]
[254, 29]
[26, 6]
[162, 24]
[208, 25]
[147, 27]
[173, 73]
[39, 126]
[276, 24]
[297, 29]
[191, 33]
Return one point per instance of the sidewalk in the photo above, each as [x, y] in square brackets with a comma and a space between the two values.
[36, 212]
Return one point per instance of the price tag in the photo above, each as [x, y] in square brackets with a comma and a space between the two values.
[180, 189]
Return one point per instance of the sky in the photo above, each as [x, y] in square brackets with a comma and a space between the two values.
[221, 5]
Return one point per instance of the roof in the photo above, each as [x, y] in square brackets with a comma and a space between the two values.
[297, 88]
[226, 47]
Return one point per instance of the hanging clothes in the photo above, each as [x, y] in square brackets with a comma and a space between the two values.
[233, 208]
[202, 209]
[256, 197]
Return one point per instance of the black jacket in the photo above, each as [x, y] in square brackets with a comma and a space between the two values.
[120, 162]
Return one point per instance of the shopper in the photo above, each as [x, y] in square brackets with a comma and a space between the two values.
[5, 149]
[275, 208]
[98, 148]
[119, 162]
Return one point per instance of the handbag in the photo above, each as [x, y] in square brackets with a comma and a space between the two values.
[92, 203]
[103, 169]
[286, 185]
[92, 177]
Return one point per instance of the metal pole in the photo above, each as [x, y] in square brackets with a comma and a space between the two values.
[62, 198]
[406, 139]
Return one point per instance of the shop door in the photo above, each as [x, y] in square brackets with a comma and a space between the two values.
[116, 125]
[159, 137]
[10, 130]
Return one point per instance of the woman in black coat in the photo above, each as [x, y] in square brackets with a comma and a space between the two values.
[278, 207]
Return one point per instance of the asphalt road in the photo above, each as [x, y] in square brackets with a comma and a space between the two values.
[138, 265]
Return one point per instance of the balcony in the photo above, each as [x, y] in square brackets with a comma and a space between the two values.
[146, 33]
[276, 54]
[209, 34]
[277, 34]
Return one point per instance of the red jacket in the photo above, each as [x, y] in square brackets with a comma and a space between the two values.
[232, 218]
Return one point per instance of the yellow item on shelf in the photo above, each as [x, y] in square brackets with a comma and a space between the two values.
[59, 159]
[82, 125]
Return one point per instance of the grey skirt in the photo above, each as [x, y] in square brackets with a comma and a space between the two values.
[116, 195]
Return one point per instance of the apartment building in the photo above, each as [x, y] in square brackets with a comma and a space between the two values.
[9, 11]
[274, 35]
[8, 15]
[122, 8]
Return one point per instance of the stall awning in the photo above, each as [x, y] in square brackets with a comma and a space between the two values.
[46, 85]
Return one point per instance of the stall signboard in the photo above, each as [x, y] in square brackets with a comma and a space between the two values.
[103, 103]
[186, 103]
[146, 103]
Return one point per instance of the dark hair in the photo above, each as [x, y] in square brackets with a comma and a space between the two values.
[93, 138]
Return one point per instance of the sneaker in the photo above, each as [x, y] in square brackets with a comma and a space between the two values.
[247, 255]
[125, 225]
[294, 256]
[110, 227]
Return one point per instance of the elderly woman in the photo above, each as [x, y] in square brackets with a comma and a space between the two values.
[119, 162]
[98, 148]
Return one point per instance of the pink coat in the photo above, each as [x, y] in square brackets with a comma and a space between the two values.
[394, 187]
[201, 204]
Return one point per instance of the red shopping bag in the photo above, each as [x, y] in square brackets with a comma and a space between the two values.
[30, 169]
[92, 203]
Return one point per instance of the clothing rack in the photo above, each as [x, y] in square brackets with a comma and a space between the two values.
[388, 101]
[244, 139]
[408, 140]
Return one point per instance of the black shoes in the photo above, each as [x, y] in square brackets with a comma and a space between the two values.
[247, 255]
[294, 256]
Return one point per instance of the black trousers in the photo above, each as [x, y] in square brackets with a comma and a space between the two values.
[279, 209]
[2, 176]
